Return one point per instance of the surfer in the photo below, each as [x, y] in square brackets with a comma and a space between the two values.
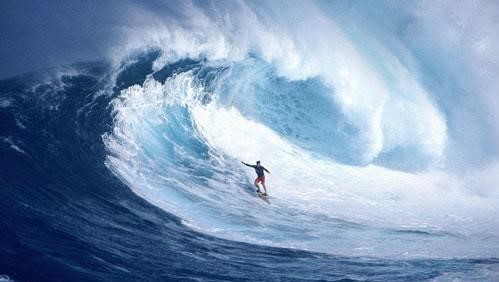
[260, 176]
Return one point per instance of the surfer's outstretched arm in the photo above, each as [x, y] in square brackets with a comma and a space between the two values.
[248, 164]
[267, 170]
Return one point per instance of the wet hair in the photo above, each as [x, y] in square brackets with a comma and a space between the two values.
[257, 162]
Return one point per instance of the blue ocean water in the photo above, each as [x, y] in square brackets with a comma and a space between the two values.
[128, 169]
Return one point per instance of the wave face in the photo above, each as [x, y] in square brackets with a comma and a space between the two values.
[129, 169]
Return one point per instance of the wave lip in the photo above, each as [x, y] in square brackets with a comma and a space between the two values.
[380, 99]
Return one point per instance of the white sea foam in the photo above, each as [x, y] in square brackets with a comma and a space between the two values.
[182, 154]
[12, 144]
[5, 278]
[153, 148]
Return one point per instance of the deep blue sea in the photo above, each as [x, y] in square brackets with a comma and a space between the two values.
[129, 168]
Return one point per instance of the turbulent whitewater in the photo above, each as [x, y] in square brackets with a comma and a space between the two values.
[375, 121]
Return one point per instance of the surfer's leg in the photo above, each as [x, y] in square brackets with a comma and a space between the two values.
[262, 180]
[265, 188]
[256, 185]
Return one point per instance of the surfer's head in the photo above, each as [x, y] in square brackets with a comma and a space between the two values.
[258, 162]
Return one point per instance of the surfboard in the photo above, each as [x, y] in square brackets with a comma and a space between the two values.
[263, 197]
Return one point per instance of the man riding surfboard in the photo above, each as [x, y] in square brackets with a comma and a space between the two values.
[260, 176]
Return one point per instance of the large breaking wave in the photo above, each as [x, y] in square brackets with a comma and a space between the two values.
[354, 137]
[375, 139]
